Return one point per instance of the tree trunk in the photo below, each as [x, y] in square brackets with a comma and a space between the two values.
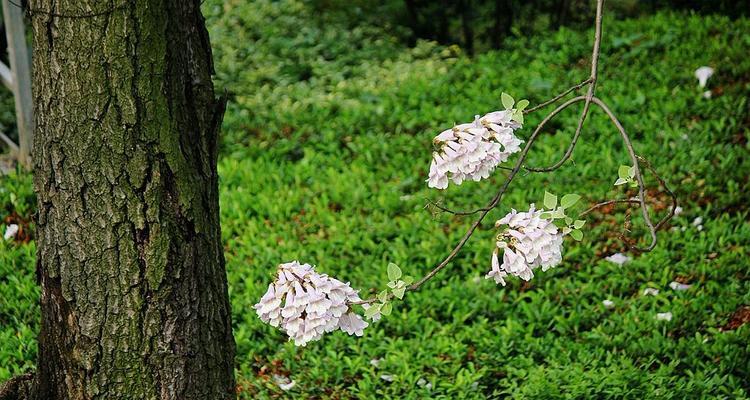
[134, 292]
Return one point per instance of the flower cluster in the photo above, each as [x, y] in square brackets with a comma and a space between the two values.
[529, 242]
[306, 304]
[473, 150]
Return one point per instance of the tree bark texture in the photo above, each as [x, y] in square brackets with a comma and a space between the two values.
[134, 292]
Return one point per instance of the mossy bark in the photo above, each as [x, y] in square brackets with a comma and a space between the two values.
[134, 292]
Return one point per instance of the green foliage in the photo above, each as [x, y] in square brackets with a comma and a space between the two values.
[325, 148]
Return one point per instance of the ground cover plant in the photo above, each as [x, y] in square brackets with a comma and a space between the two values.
[318, 163]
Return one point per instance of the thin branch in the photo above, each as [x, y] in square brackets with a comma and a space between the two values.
[588, 99]
[589, 94]
[558, 97]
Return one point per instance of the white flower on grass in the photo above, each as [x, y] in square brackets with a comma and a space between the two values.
[305, 304]
[707, 94]
[679, 286]
[677, 211]
[528, 243]
[650, 292]
[702, 74]
[473, 150]
[375, 362]
[10, 232]
[424, 384]
[618, 258]
[387, 378]
[665, 316]
[283, 382]
[608, 304]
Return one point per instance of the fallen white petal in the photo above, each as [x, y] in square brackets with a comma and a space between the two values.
[608, 303]
[650, 292]
[677, 211]
[707, 94]
[387, 378]
[424, 384]
[283, 382]
[666, 316]
[698, 221]
[679, 286]
[702, 74]
[10, 231]
[375, 362]
[618, 258]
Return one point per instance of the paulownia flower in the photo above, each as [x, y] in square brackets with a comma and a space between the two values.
[529, 242]
[473, 150]
[305, 304]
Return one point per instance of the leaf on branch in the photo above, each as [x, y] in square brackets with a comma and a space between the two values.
[621, 181]
[569, 200]
[576, 234]
[522, 104]
[566, 230]
[546, 215]
[408, 280]
[383, 296]
[568, 220]
[374, 309]
[507, 101]
[624, 171]
[550, 200]
[394, 272]
[579, 223]
[386, 309]
[399, 292]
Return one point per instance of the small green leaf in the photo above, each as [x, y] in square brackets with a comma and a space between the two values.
[569, 200]
[566, 230]
[383, 296]
[374, 309]
[576, 234]
[621, 181]
[507, 101]
[623, 171]
[399, 292]
[558, 213]
[408, 280]
[392, 284]
[568, 220]
[550, 200]
[522, 104]
[579, 223]
[394, 272]
[518, 117]
[386, 309]
[631, 172]
[633, 184]
[545, 215]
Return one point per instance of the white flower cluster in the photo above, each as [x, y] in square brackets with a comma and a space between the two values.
[306, 304]
[473, 150]
[529, 242]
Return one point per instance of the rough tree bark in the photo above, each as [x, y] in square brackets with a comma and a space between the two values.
[134, 292]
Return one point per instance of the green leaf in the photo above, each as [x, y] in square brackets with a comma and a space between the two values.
[631, 172]
[392, 284]
[517, 116]
[568, 220]
[576, 234]
[558, 213]
[623, 171]
[507, 100]
[408, 280]
[386, 309]
[569, 200]
[579, 223]
[566, 230]
[374, 309]
[550, 200]
[633, 184]
[399, 292]
[545, 215]
[394, 272]
[522, 104]
[383, 296]
[621, 181]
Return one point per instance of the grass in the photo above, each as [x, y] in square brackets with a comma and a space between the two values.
[325, 150]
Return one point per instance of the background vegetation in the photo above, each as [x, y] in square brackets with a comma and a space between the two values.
[325, 148]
